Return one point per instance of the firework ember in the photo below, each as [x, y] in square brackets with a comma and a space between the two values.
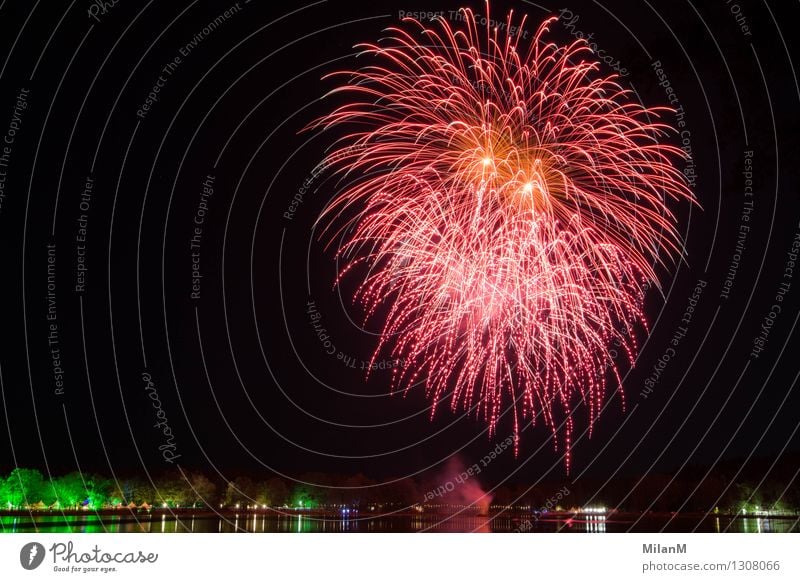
[507, 206]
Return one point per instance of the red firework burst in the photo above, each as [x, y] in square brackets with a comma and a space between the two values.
[510, 207]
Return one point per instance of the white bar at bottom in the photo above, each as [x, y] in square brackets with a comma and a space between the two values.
[381, 557]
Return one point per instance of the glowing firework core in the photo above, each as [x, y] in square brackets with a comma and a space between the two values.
[508, 208]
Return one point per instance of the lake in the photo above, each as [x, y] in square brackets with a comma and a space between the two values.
[270, 522]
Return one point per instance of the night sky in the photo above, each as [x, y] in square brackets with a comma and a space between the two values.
[110, 316]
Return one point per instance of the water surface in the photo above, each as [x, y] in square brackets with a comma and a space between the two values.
[271, 523]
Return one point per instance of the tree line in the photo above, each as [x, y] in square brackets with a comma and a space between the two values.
[690, 490]
[24, 488]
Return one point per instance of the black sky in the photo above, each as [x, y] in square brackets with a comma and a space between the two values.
[263, 395]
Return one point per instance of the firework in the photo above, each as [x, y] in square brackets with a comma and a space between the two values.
[506, 207]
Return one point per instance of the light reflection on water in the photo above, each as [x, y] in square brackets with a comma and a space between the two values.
[271, 523]
[596, 523]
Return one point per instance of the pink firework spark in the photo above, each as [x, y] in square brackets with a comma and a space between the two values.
[510, 207]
